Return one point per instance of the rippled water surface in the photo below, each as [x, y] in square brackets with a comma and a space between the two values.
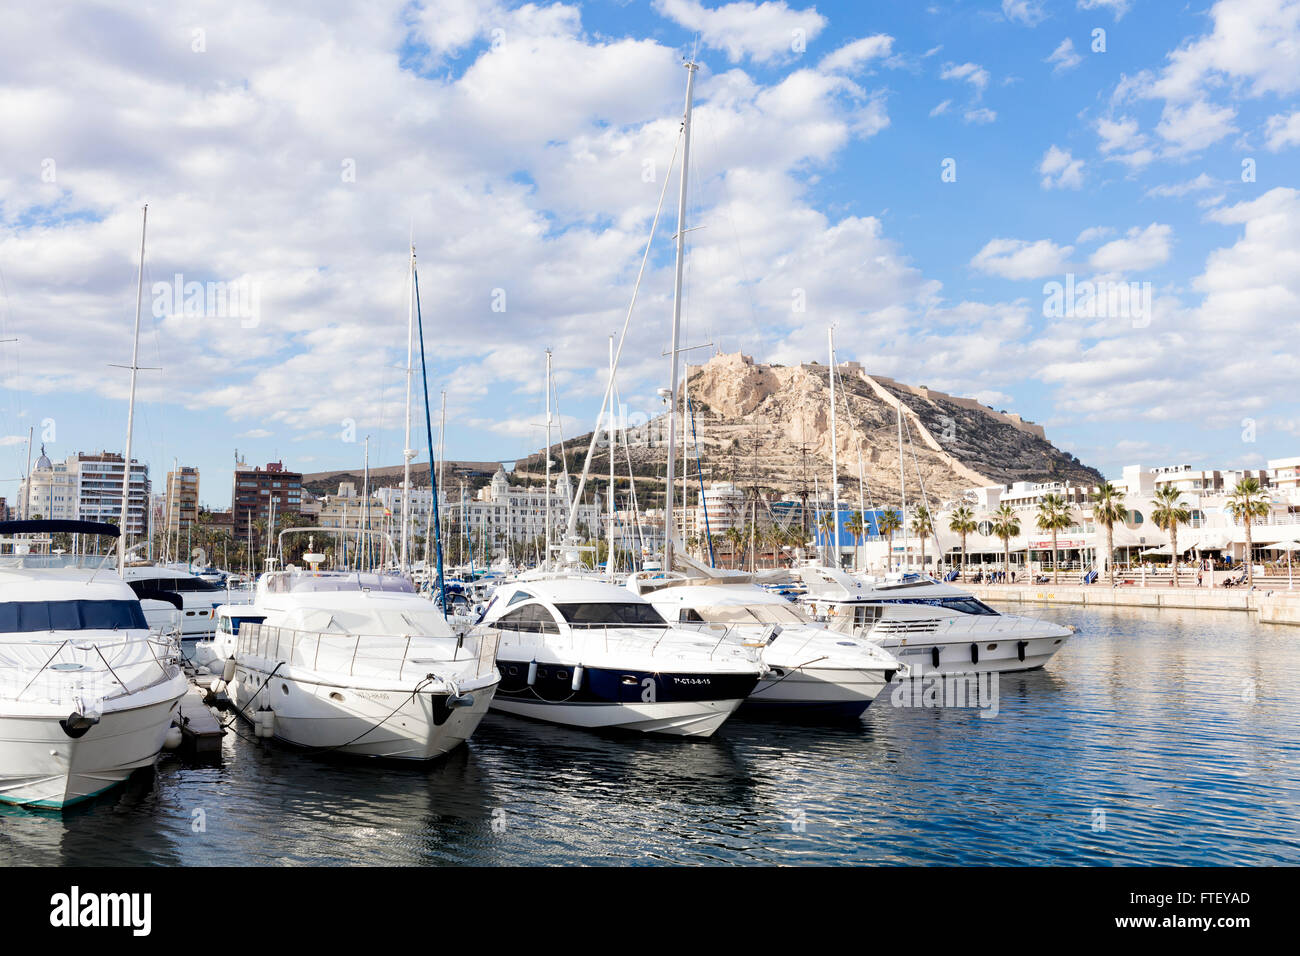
[1163, 737]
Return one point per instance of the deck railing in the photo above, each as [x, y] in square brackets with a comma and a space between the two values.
[369, 655]
[647, 638]
[73, 670]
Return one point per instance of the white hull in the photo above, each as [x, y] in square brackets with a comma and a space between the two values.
[996, 653]
[834, 688]
[368, 722]
[696, 718]
[44, 767]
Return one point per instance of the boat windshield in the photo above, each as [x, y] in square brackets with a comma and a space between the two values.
[963, 605]
[287, 581]
[743, 614]
[19, 617]
[606, 612]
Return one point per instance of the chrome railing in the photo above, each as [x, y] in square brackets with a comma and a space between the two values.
[645, 638]
[83, 669]
[370, 655]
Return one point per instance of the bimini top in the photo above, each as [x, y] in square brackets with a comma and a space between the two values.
[58, 526]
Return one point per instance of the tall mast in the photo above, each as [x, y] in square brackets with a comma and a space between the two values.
[26, 504]
[407, 452]
[835, 466]
[613, 438]
[546, 562]
[363, 540]
[130, 407]
[862, 508]
[902, 484]
[691, 67]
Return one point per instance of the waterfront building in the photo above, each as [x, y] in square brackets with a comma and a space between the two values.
[181, 500]
[88, 488]
[255, 488]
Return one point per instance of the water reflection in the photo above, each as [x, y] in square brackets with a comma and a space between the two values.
[1154, 737]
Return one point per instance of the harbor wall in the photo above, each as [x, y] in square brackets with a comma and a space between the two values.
[1273, 607]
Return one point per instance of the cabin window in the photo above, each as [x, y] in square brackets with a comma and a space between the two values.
[609, 613]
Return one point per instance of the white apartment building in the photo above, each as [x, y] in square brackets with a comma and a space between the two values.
[87, 488]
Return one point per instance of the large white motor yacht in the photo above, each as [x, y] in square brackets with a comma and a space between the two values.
[812, 672]
[357, 663]
[933, 627]
[87, 692]
[586, 653]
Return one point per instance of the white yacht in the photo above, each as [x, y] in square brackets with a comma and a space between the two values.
[812, 671]
[933, 627]
[87, 692]
[586, 653]
[358, 663]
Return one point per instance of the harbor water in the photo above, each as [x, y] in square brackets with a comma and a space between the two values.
[1154, 737]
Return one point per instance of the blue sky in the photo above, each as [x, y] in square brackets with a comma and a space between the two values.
[511, 141]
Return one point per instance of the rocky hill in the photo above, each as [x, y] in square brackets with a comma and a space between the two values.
[768, 426]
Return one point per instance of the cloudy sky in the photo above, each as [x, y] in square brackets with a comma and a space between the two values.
[917, 176]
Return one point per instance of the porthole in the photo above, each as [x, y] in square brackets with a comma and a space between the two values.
[335, 695]
[992, 647]
[284, 689]
[561, 674]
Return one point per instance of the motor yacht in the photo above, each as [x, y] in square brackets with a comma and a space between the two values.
[586, 653]
[356, 662]
[87, 692]
[932, 626]
[812, 671]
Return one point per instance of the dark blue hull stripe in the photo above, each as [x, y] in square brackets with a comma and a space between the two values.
[554, 685]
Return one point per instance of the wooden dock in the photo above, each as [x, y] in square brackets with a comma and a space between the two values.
[200, 730]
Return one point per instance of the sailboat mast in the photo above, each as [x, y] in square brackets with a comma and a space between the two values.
[609, 558]
[130, 407]
[407, 452]
[546, 562]
[902, 484]
[691, 67]
[835, 467]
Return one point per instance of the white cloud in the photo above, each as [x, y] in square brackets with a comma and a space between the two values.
[942, 108]
[763, 32]
[1283, 131]
[1141, 249]
[853, 56]
[972, 73]
[1178, 190]
[1021, 259]
[1063, 57]
[1060, 170]
[1117, 7]
[980, 116]
[1028, 12]
[1194, 126]
[1093, 233]
[1122, 142]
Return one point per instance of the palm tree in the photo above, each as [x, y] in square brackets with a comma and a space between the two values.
[888, 523]
[1106, 510]
[1247, 502]
[856, 525]
[1168, 514]
[963, 523]
[826, 525]
[735, 538]
[922, 526]
[1006, 525]
[1054, 516]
